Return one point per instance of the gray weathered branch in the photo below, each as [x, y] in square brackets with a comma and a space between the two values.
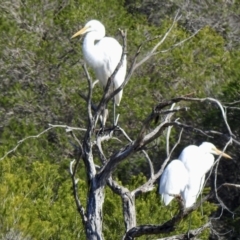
[128, 203]
[192, 234]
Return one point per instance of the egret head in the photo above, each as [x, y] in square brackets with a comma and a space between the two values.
[208, 147]
[92, 26]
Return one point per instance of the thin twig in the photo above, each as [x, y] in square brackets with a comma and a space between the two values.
[233, 103]
[148, 186]
[215, 180]
[23, 140]
[179, 43]
[80, 207]
[169, 133]
[231, 185]
[143, 151]
[68, 128]
[89, 97]
[152, 52]
[149, 163]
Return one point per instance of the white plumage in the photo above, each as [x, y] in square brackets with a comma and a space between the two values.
[103, 54]
[173, 181]
[196, 162]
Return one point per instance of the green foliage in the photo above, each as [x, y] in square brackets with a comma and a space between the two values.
[37, 200]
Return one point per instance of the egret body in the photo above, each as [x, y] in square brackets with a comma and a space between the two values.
[195, 163]
[198, 161]
[103, 54]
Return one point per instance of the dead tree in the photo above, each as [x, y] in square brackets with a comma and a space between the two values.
[98, 177]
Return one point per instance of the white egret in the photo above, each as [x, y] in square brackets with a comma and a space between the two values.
[194, 162]
[103, 54]
[173, 181]
[198, 161]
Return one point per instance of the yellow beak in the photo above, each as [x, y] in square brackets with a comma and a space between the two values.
[218, 152]
[80, 32]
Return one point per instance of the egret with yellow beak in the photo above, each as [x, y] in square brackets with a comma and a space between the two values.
[103, 54]
[185, 176]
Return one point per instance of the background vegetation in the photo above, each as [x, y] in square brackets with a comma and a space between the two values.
[40, 80]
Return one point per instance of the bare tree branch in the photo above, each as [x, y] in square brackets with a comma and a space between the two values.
[166, 227]
[89, 97]
[149, 185]
[233, 103]
[152, 52]
[128, 202]
[143, 151]
[169, 133]
[192, 234]
[23, 140]
[226, 136]
[179, 43]
[215, 180]
[142, 139]
[231, 185]
[68, 128]
[99, 140]
[80, 208]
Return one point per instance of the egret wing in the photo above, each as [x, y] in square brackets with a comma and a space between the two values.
[111, 52]
[173, 181]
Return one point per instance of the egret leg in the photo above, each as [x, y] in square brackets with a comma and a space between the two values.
[114, 112]
[114, 106]
[104, 117]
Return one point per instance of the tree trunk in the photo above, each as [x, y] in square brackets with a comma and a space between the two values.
[94, 213]
[129, 211]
